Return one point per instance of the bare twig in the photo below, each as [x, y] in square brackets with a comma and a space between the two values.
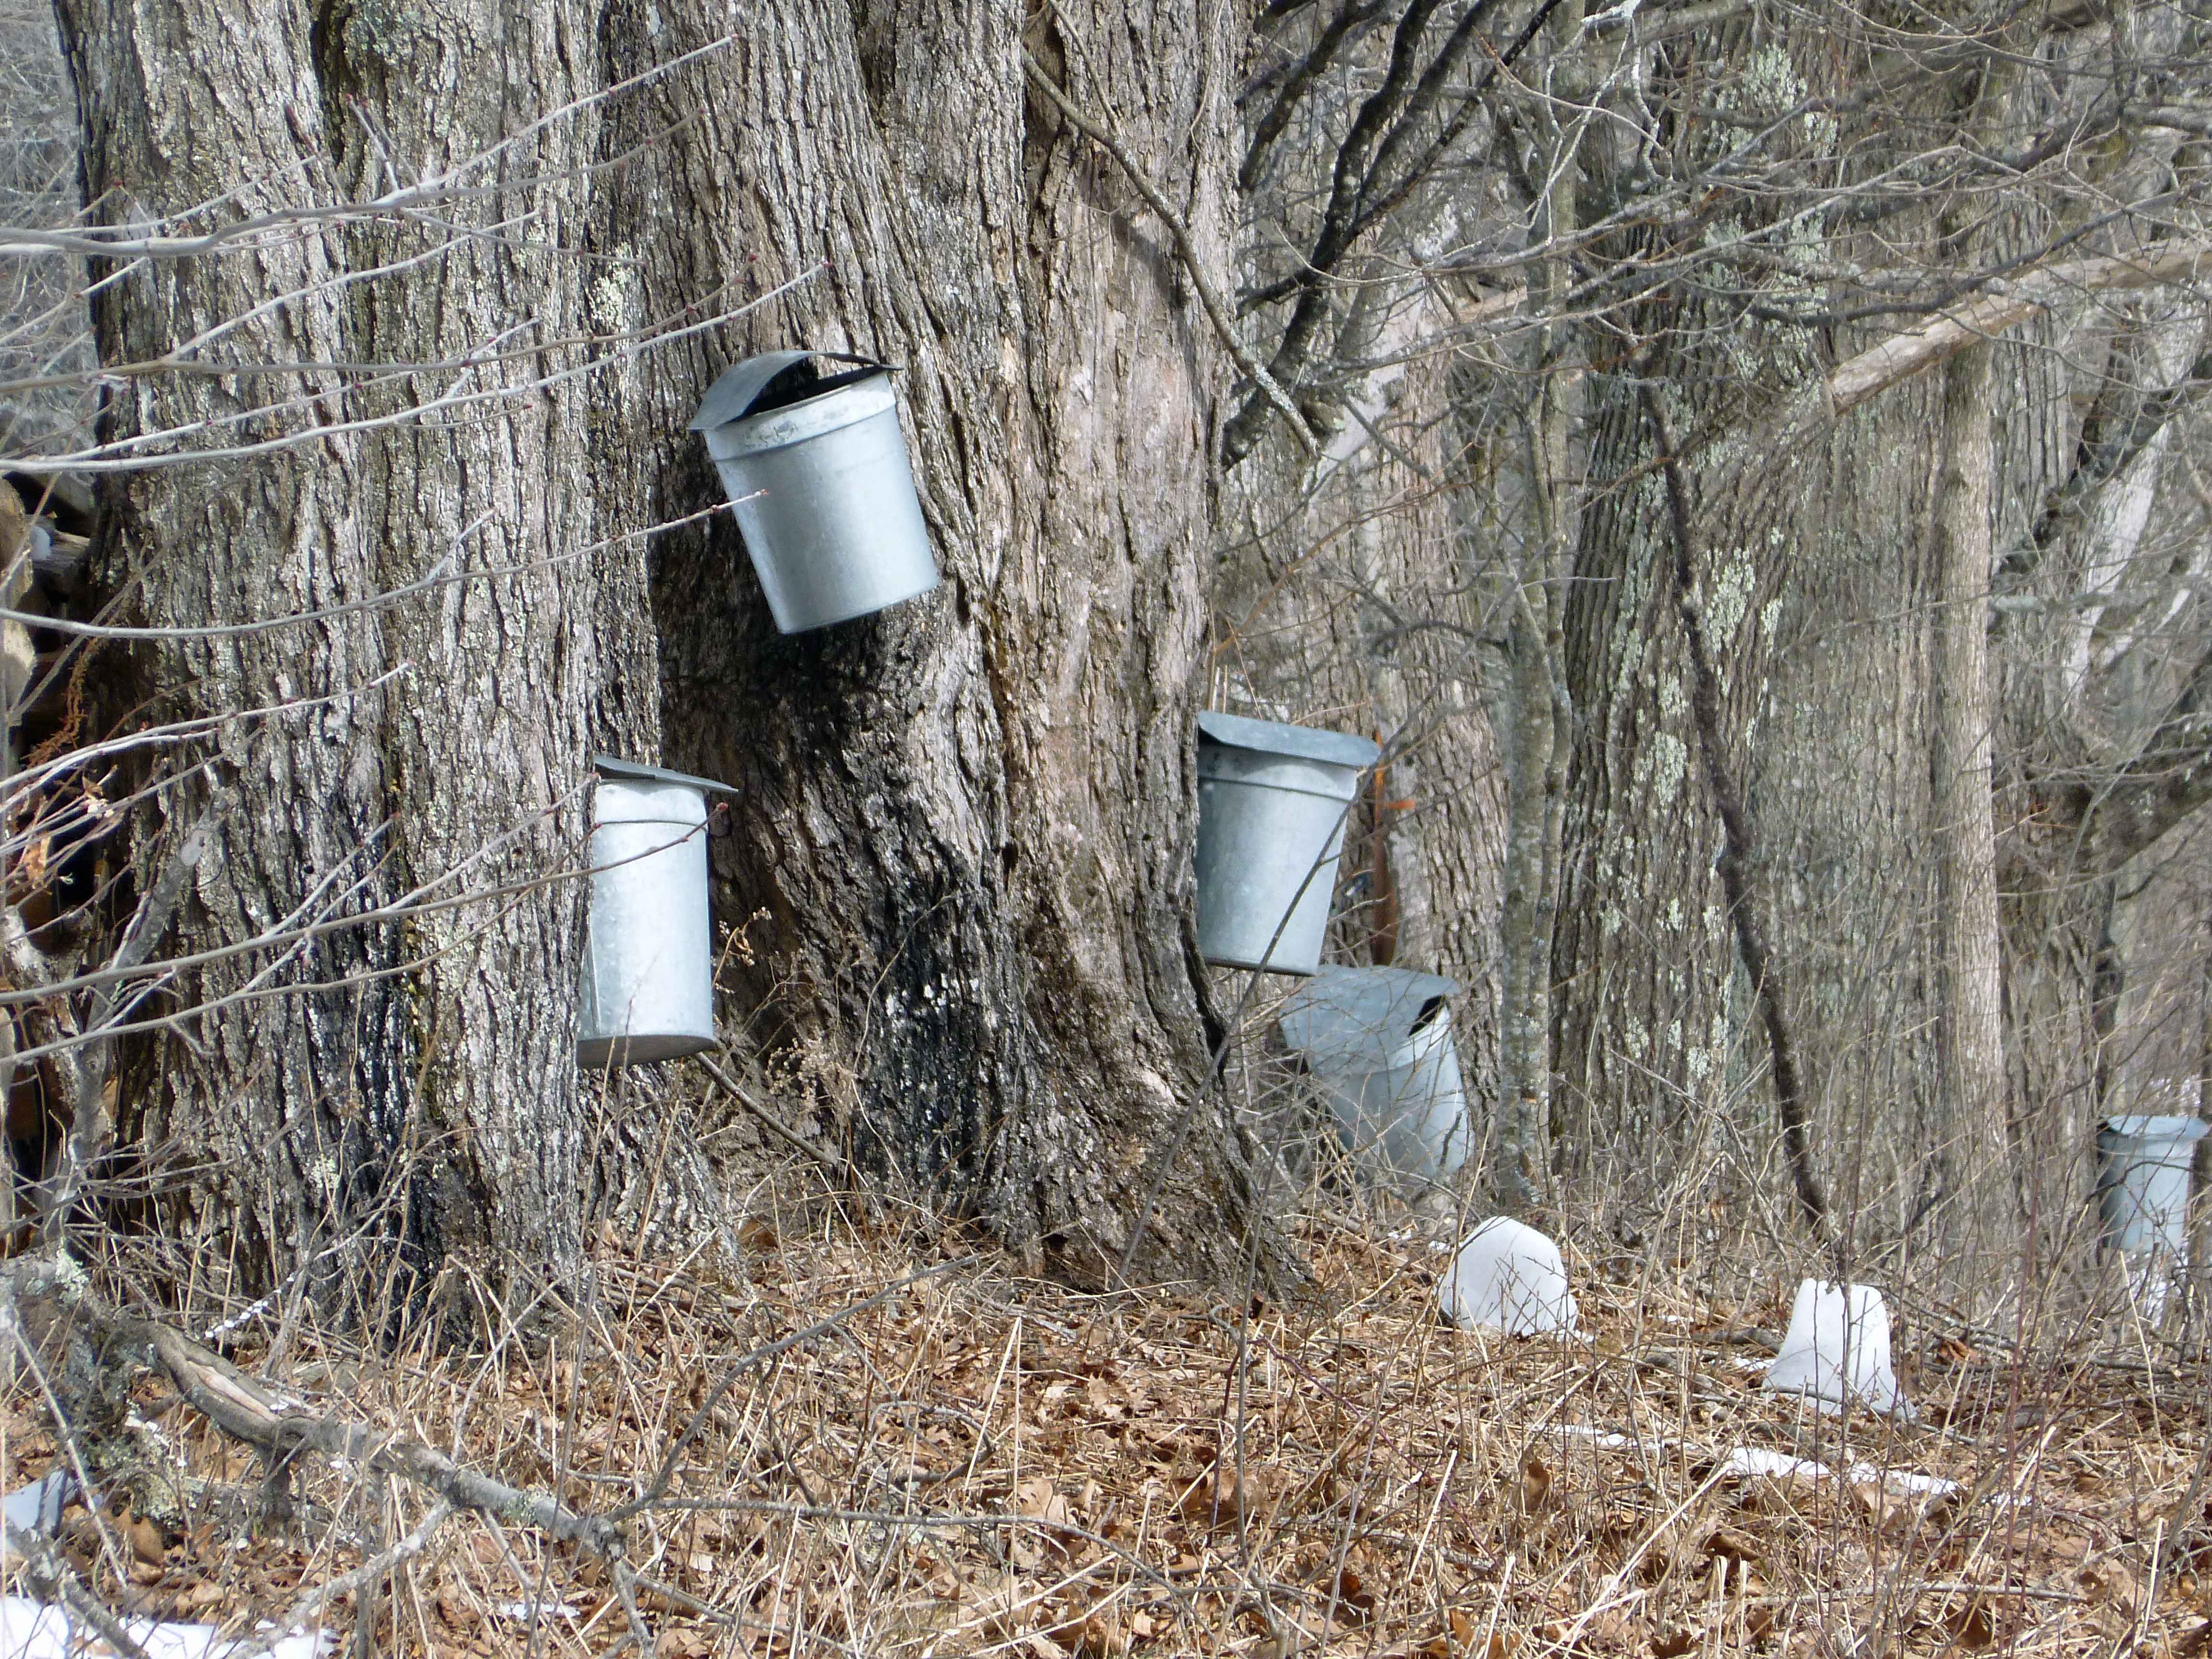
[1216, 313]
[89, 1124]
[50, 1573]
[311, 1604]
[768, 1120]
[1736, 845]
[657, 1487]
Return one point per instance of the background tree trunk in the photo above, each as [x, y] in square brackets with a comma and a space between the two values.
[1542, 708]
[1969, 996]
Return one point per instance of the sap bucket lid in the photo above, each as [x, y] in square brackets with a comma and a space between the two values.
[1311, 743]
[2175, 1127]
[776, 379]
[1508, 1277]
[1365, 1017]
[1836, 1351]
[629, 771]
[655, 794]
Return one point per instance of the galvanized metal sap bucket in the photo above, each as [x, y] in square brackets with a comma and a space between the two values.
[815, 468]
[1271, 806]
[2142, 1183]
[649, 980]
[1379, 1042]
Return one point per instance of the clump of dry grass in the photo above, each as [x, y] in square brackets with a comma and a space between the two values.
[981, 1464]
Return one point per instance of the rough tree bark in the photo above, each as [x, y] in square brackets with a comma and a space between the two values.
[969, 821]
[1968, 955]
[964, 825]
[436, 1041]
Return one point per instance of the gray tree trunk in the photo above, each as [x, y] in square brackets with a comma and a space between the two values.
[965, 826]
[433, 1049]
[1969, 996]
[969, 821]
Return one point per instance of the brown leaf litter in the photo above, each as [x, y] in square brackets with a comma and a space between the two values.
[987, 1465]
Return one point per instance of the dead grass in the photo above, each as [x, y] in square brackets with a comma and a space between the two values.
[985, 1465]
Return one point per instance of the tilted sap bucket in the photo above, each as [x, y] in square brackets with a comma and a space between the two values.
[2143, 1181]
[649, 979]
[1379, 1042]
[815, 469]
[1272, 800]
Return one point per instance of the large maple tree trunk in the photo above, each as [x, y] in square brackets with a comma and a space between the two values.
[964, 825]
[968, 820]
[441, 742]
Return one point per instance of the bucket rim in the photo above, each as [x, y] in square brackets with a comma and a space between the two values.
[612, 766]
[2163, 1126]
[735, 391]
[1312, 742]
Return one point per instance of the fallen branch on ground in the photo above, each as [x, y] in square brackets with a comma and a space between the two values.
[80, 1345]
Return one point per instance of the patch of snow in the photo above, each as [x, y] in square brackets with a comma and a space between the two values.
[1755, 1463]
[1598, 1437]
[1904, 1479]
[30, 1630]
[38, 1507]
[1510, 1278]
[542, 1609]
[1745, 1462]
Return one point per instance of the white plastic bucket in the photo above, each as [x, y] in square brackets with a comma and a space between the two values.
[1508, 1277]
[1272, 800]
[649, 978]
[1837, 1350]
[1379, 1042]
[2142, 1183]
[817, 472]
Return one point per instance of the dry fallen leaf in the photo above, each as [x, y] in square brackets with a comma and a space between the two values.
[1214, 1495]
[2111, 1580]
[1039, 1498]
[1353, 1598]
[454, 1610]
[1535, 1485]
[1971, 1625]
[205, 1594]
[146, 1541]
[757, 1236]
[1729, 1545]
[1673, 1646]
[1099, 1637]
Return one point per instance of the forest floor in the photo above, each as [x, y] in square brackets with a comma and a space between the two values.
[976, 1463]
